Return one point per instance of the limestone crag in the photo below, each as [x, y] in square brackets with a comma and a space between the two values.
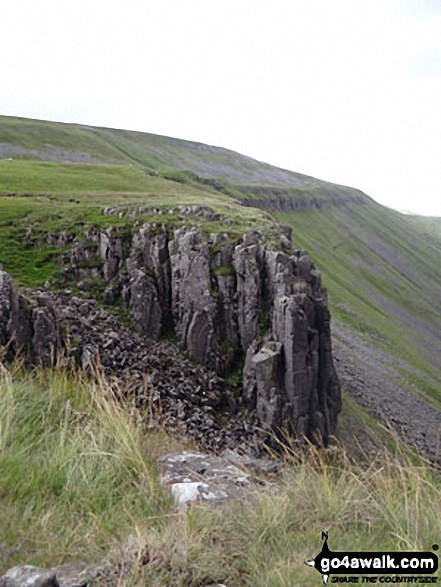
[144, 303]
[27, 326]
[234, 306]
[7, 295]
[282, 200]
[193, 305]
[247, 263]
[153, 376]
[289, 376]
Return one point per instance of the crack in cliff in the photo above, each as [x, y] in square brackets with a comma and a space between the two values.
[284, 203]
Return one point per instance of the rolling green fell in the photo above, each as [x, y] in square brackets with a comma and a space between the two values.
[381, 268]
[25, 139]
[383, 276]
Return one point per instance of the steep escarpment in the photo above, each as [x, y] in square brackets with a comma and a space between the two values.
[237, 307]
[201, 285]
[280, 201]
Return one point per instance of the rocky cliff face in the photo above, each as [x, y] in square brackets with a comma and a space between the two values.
[27, 326]
[281, 201]
[289, 375]
[15, 318]
[234, 306]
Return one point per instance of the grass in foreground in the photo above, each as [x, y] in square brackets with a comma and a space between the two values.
[76, 470]
[79, 477]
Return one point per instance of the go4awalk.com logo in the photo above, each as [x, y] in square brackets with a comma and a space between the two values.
[380, 564]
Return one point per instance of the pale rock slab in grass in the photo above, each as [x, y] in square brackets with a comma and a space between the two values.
[192, 477]
[28, 576]
[74, 574]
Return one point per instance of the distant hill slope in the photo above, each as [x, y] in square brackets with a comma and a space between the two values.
[382, 268]
[383, 274]
[22, 138]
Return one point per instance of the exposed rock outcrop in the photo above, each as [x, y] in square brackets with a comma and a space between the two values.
[233, 305]
[193, 305]
[77, 574]
[192, 476]
[289, 376]
[247, 263]
[15, 327]
[145, 305]
[282, 200]
[7, 294]
[30, 576]
[46, 339]
[26, 326]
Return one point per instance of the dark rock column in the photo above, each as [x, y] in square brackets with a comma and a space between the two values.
[46, 339]
[15, 317]
[289, 375]
[28, 327]
[145, 305]
[248, 294]
[193, 304]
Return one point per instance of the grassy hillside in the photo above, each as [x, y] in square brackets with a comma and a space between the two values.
[381, 268]
[80, 482]
[79, 474]
[384, 280]
[25, 139]
[428, 225]
[47, 198]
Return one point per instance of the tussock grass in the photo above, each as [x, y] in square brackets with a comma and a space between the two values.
[386, 506]
[77, 472]
[79, 477]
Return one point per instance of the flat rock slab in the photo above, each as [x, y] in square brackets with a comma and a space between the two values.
[28, 576]
[71, 575]
[196, 477]
[259, 466]
[191, 476]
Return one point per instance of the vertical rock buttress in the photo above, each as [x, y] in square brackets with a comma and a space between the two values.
[237, 304]
[231, 305]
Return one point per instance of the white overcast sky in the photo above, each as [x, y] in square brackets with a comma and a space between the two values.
[344, 90]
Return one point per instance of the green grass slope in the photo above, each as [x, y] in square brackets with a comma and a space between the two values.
[383, 275]
[25, 139]
[381, 267]
[74, 197]
[80, 482]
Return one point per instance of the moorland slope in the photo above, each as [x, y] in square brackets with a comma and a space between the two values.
[381, 268]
